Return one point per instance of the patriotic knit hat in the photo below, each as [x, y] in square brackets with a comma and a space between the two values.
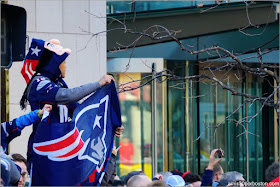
[35, 52]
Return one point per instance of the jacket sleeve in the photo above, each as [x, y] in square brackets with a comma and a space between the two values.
[9, 131]
[27, 119]
[43, 89]
[12, 129]
[71, 95]
[207, 178]
[110, 172]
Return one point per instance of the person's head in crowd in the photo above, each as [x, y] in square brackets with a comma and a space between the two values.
[175, 180]
[176, 172]
[139, 180]
[21, 162]
[217, 172]
[131, 174]
[159, 183]
[10, 173]
[232, 177]
[162, 175]
[192, 179]
[272, 172]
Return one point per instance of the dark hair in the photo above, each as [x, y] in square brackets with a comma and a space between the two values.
[176, 172]
[44, 60]
[191, 177]
[18, 158]
[272, 172]
[131, 174]
[118, 183]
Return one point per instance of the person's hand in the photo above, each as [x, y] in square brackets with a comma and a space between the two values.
[46, 108]
[115, 150]
[213, 160]
[106, 79]
[118, 131]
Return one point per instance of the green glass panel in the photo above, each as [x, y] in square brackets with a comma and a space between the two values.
[159, 132]
[176, 118]
[135, 153]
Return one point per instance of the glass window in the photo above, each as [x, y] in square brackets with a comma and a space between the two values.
[190, 116]
[176, 126]
[218, 104]
[122, 6]
[135, 153]
[194, 109]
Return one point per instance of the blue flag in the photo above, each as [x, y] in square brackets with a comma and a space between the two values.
[77, 153]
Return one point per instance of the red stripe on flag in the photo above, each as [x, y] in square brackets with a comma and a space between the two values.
[74, 151]
[59, 145]
[91, 177]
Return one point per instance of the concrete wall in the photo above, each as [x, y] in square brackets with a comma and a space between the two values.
[72, 22]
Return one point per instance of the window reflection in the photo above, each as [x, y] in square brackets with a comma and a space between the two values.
[125, 6]
[188, 117]
[135, 153]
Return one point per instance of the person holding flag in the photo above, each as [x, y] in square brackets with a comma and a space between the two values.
[44, 69]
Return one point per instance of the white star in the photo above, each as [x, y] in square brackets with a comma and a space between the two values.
[96, 121]
[35, 51]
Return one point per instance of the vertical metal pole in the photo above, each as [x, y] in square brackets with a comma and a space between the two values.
[275, 128]
[277, 116]
[4, 95]
[154, 123]
[187, 117]
[142, 128]
[198, 121]
[164, 124]
[212, 142]
[247, 129]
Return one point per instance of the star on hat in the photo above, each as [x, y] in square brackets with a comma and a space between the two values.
[35, 51]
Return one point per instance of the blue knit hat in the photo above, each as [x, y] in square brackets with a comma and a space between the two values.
[10, 172]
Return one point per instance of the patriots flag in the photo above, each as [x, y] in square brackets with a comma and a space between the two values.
[77, 153]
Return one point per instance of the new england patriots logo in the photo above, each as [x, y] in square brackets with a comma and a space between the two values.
[77, 152]
[91, 119]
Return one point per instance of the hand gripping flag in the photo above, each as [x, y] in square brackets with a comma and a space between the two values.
[77, 153]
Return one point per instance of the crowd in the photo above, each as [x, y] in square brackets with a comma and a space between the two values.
[14, 172]
[47, 92]
[213, 176]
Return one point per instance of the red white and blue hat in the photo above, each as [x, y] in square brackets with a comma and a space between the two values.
[35, 52]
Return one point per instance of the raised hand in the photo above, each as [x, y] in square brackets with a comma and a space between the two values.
[106, 79]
